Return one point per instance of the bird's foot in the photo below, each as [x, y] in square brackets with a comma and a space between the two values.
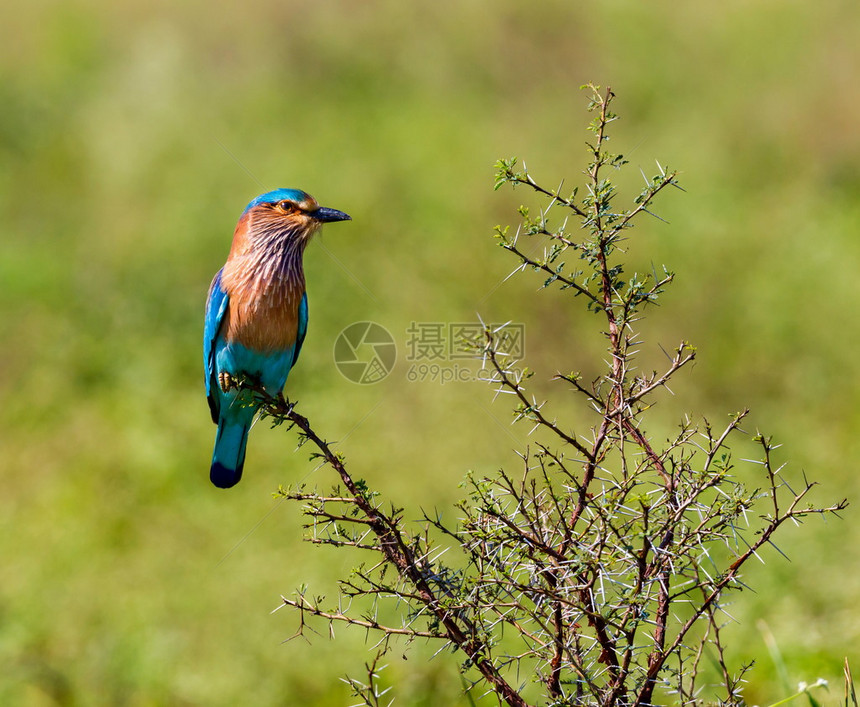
[227, 382]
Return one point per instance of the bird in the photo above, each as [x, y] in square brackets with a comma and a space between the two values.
[257, 317]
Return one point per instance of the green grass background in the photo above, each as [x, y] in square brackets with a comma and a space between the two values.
[132, 135]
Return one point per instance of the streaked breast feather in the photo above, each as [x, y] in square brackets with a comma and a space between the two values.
[264, 306]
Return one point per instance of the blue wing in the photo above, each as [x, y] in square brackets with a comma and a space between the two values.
[216, 307]
[303, 328]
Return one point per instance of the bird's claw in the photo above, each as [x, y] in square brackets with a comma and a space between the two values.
[227, 382]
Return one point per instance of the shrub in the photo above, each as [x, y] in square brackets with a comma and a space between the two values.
[599, 568]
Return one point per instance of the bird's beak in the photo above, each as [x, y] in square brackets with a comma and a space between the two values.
[324, 214]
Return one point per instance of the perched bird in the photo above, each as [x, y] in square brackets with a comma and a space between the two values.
[257, 316]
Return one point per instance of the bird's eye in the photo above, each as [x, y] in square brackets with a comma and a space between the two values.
[287, 206]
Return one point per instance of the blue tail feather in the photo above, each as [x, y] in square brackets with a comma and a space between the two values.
[229, 456]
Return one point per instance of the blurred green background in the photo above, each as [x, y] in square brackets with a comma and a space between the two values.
[132, 135]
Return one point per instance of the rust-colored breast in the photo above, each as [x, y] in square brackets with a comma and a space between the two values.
[265, 322]
[264, 280]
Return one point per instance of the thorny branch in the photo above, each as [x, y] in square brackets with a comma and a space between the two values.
[411, 566]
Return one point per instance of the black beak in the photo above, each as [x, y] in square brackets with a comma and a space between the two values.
[324, 214]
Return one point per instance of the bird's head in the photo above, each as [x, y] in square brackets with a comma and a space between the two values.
[289, 215]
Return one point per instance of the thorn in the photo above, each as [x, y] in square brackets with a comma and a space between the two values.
[771, 543]
[659, 218]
